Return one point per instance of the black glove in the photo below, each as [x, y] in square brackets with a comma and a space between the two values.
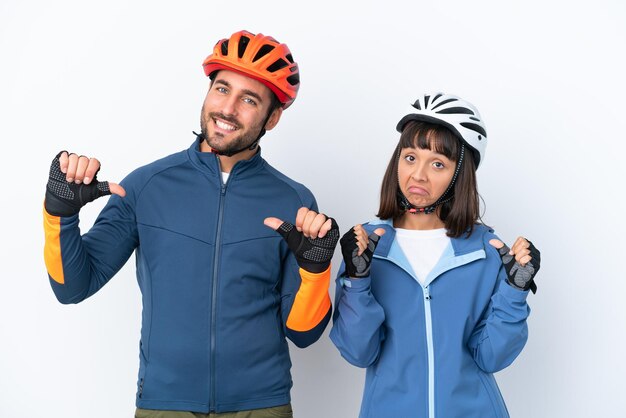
[64, 198]
[518, 276]
[313, 255]
[357, 265]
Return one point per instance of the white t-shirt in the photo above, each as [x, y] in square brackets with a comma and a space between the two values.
[423, 248]
[225, 177]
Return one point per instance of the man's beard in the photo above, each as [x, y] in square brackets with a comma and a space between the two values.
[239, 143]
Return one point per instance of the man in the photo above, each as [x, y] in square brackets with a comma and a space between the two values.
[220, 289]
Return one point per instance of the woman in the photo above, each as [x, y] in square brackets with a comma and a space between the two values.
[428, 299]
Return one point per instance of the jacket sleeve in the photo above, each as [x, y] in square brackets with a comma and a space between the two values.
[358, 329]
[78, 266]
[310, 311]
[501, 334]
[305, 302]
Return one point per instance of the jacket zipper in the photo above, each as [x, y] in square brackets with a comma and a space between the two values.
[431, 353]
[429, 341]
[216, 257]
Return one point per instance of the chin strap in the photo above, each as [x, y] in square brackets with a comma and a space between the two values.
[445, 197]
[202, 137]
[250, 147]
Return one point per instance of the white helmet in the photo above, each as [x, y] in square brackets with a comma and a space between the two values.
[456, 114]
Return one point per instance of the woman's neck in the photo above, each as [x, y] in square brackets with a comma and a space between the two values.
[419, 221]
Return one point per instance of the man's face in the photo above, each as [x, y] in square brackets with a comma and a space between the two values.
[234, 111]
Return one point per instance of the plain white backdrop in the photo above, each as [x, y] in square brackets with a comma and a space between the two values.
[122, 80]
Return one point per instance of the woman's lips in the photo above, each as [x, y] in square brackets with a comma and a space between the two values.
[418, 191]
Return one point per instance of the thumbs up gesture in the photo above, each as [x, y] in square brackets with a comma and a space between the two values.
[358, 249]
[521, 262]
[72, 184]
[312, 239]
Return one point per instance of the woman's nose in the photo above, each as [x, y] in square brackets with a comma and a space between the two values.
[419, 173]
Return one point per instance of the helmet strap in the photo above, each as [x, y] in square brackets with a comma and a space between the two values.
[250, 147]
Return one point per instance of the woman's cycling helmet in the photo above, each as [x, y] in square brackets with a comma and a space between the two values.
[456, 114]
[259, 57]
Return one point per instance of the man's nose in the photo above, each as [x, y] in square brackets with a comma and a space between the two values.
[230, 106]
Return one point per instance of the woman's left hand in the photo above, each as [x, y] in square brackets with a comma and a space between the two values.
[521, 262]
[358, 249]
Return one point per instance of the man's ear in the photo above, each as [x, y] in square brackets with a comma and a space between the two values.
[274, 118]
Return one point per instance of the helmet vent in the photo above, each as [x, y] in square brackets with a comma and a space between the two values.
[224, 47]
[263, 51]
[474, 118]
[443, 103]
[289, 58]
[294, 79]
[243, 44]
[454, 110]
[278, 64]
[417, 104]
[426, 98]
[474, 127]
[437, 96]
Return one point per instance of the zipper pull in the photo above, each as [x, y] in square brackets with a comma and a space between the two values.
[427, 293]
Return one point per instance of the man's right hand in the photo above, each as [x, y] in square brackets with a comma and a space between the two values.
[72, 184]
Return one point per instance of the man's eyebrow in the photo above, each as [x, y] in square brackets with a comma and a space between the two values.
[224, 82]
[244, 91]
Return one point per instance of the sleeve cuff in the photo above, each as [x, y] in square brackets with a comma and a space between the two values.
[356, 285]
[513, 293]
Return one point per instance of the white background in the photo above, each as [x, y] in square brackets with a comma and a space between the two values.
[122, 80]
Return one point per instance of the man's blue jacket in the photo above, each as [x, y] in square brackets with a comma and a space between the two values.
[220, 290]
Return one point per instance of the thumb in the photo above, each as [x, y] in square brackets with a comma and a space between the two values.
[117, 189]
[502, 248]
[496, 243]
[380, 231]
[273, 223]
[375, 236]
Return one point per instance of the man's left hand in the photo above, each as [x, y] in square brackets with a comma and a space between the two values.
[312, 239]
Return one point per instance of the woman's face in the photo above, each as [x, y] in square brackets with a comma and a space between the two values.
[424, 175]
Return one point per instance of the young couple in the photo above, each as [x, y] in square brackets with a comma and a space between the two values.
[233, 257]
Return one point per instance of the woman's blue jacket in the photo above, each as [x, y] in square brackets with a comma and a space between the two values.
[431, 350]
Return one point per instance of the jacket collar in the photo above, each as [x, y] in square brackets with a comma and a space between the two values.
[462, 250]
[461, 245]
[208, 162]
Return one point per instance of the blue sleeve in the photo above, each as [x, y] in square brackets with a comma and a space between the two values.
[502, 332]
[78, 266]
[358, 329]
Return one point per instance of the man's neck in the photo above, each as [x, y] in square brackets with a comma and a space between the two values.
[227, 163]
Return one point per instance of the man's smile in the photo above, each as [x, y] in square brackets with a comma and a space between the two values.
[224, 125]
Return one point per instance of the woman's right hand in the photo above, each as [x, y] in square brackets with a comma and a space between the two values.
[357, 249]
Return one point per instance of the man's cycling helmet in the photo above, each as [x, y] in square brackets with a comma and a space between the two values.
[461, 117]
[259, 57]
